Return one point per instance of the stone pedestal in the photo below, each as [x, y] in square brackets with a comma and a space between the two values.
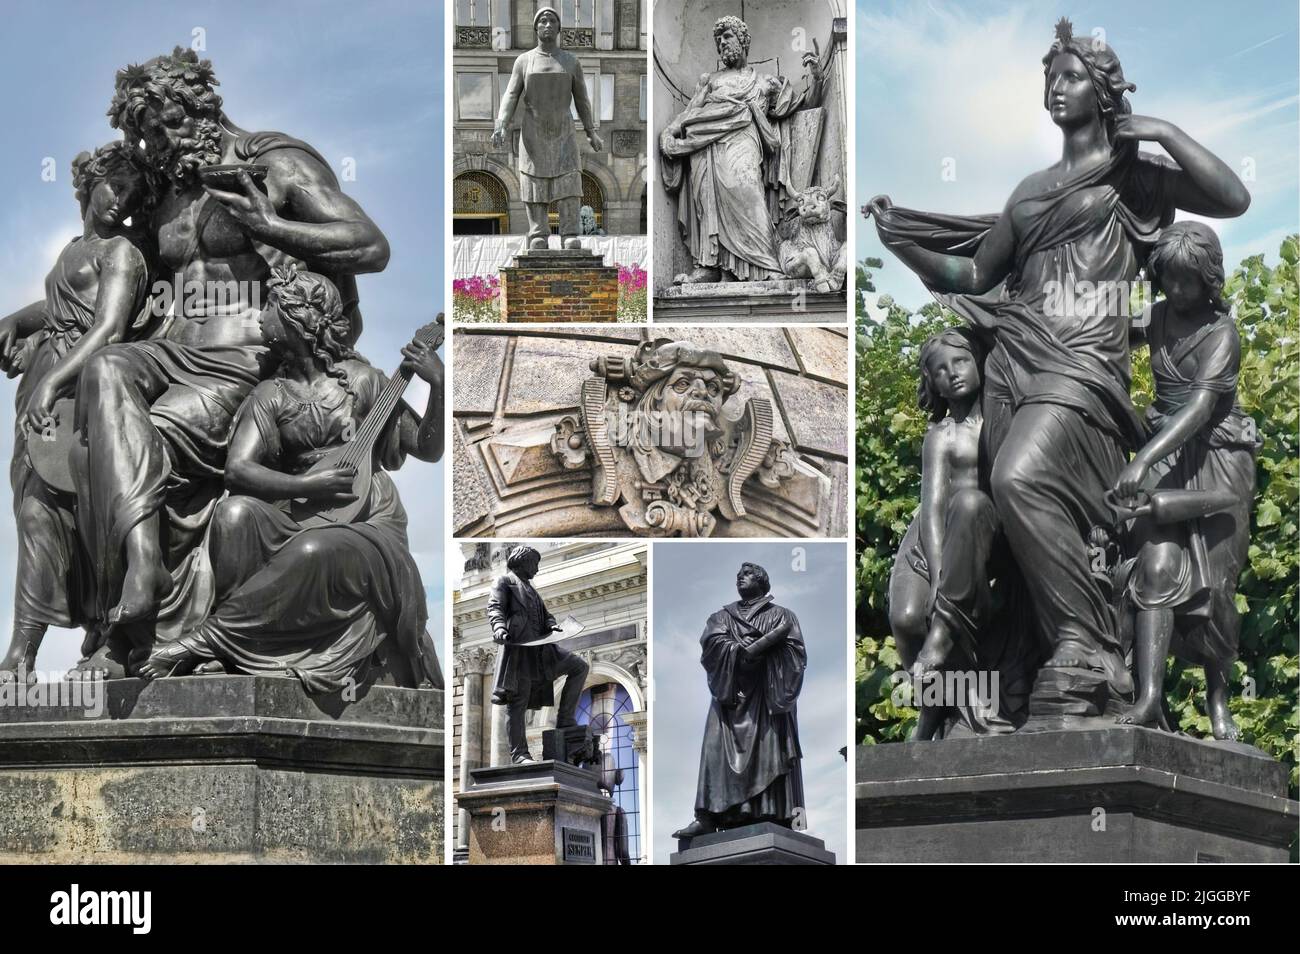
[223, 769]
[786, 300]
[542, 813]
[764, 843]
[1100, 793]
[559, 285]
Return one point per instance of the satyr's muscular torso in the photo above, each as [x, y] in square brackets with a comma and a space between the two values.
[225, 257]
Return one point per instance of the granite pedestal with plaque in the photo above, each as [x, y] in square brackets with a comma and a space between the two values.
[538, 813]
[763, 843]
[559, 285]
[1105, 793]
[219, 769]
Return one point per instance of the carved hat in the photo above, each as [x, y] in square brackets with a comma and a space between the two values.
[657, 359]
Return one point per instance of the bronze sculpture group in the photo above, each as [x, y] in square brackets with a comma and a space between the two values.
[1042, 550]
[200, 455]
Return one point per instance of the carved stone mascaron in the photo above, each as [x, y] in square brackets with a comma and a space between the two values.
[668, 465]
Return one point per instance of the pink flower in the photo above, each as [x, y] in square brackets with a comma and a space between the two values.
[632, 278]
[477, 287]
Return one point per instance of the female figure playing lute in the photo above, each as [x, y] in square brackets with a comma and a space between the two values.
[338, 605]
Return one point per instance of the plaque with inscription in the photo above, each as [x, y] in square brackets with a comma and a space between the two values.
[579, 846]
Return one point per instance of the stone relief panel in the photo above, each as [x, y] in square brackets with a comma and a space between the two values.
[749, 124]
[664, 432]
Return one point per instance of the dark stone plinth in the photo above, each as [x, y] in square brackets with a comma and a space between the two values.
[224, 769]
[785, 301]
[559, 285]
[764, 843]
[518, 813]
[1098, 793]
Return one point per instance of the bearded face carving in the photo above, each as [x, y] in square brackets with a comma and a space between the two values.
[655, 431]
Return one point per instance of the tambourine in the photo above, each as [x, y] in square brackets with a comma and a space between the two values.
[49, 451]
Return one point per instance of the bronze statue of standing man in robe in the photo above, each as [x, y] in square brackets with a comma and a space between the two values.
[753, 652]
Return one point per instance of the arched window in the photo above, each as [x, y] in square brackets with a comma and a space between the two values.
[603, 707]
[592, 195]
[480, 205]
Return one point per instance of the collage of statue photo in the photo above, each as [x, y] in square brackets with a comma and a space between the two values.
[780, 432]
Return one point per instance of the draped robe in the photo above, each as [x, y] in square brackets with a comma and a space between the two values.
[728, 169]
[750, 760]
[1221, 456]
[1056, 391]
[55, 582]
[326, 604]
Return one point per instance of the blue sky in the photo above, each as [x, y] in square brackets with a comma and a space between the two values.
[692, 581]
[963, 81]
[363, 81]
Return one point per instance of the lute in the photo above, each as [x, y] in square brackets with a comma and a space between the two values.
[359, 452]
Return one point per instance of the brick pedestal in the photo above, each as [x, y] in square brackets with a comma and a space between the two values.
[559, 285]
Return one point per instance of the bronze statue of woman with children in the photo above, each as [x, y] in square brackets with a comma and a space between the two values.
[1062, 541]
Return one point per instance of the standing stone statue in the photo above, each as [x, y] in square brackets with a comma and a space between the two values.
[525, 674]
[754, 656]
[548, 81]
[728, 160]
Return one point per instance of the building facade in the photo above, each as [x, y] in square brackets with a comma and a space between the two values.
[601, 585]
[609, 38]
